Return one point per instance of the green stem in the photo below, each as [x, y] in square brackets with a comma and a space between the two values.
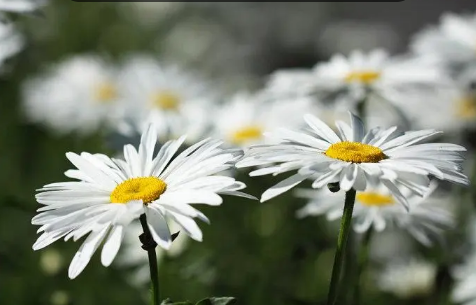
[149, 246]
[361, 264]
[341, 243]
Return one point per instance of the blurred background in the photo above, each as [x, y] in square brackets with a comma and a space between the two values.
[259, 253]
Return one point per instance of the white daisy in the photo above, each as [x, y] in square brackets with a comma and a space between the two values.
[452, 41]
[174, 101]
[111, 193]
[354, 157]
[78, 94]
[377, 209]
[346, 81]
[408, 278]
[242, 121]
[453, 110]
[11, 42]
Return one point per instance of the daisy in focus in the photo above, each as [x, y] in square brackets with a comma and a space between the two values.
[11, 42]
[355, 157]
[111, 193]
[376, 209]
[346, 82]
[174, 101]
[79, 94]
[242, 121]
[451, 42]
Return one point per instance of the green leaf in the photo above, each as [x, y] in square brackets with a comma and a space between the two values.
[217, 301]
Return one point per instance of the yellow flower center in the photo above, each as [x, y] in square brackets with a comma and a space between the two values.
[165, 100]
[374, 199]
[355, 152]
[146, 189]
[246, 134]
[466, 107]
[365, 77]
[105, 93]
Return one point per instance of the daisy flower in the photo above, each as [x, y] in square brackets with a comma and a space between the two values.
[354, 157]
[174, 101]
[78, 94]
[242, 121]
[453, 110]
[346, 81]
[111, 193]
[408, 279]
[452, 41]
[11, 41]
[377, 209]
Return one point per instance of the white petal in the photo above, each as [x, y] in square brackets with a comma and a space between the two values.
[190, 196]
[321, 129]
[112, 245]
[85, 252]
[348, 176]
[158, 228]
[283, 186]
[189, 225]
[357, 128]
[106, 182]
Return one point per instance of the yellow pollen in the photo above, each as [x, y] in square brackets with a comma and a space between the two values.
[146, 189]
[365, 77]
[105, 93]
[165, 100]
[246, 134]
[355, 152]
[466, 107]
[374, 199]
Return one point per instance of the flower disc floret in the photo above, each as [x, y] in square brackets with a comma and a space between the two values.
[366, 77]
[246, 134]
[372, 199]
[147, 189]
[355, 152]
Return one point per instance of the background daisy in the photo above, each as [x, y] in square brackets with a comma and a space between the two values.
[376, 209]
[78, 94]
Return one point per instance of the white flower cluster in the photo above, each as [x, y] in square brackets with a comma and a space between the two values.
[284, 127]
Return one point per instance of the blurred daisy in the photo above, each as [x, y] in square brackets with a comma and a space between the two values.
[242, 121]
[346, 81]
[11, 42]
[377, 209]
[21, 6]
[132, 255]
[173, 101]
[464, 289]
[354, 157]
[453, 110]
[111, 193]
[452, 41]
[408, 279]
[78, 94]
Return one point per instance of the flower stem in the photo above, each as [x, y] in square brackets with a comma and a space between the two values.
[149, 245]
[361, 264]
[341, 243]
